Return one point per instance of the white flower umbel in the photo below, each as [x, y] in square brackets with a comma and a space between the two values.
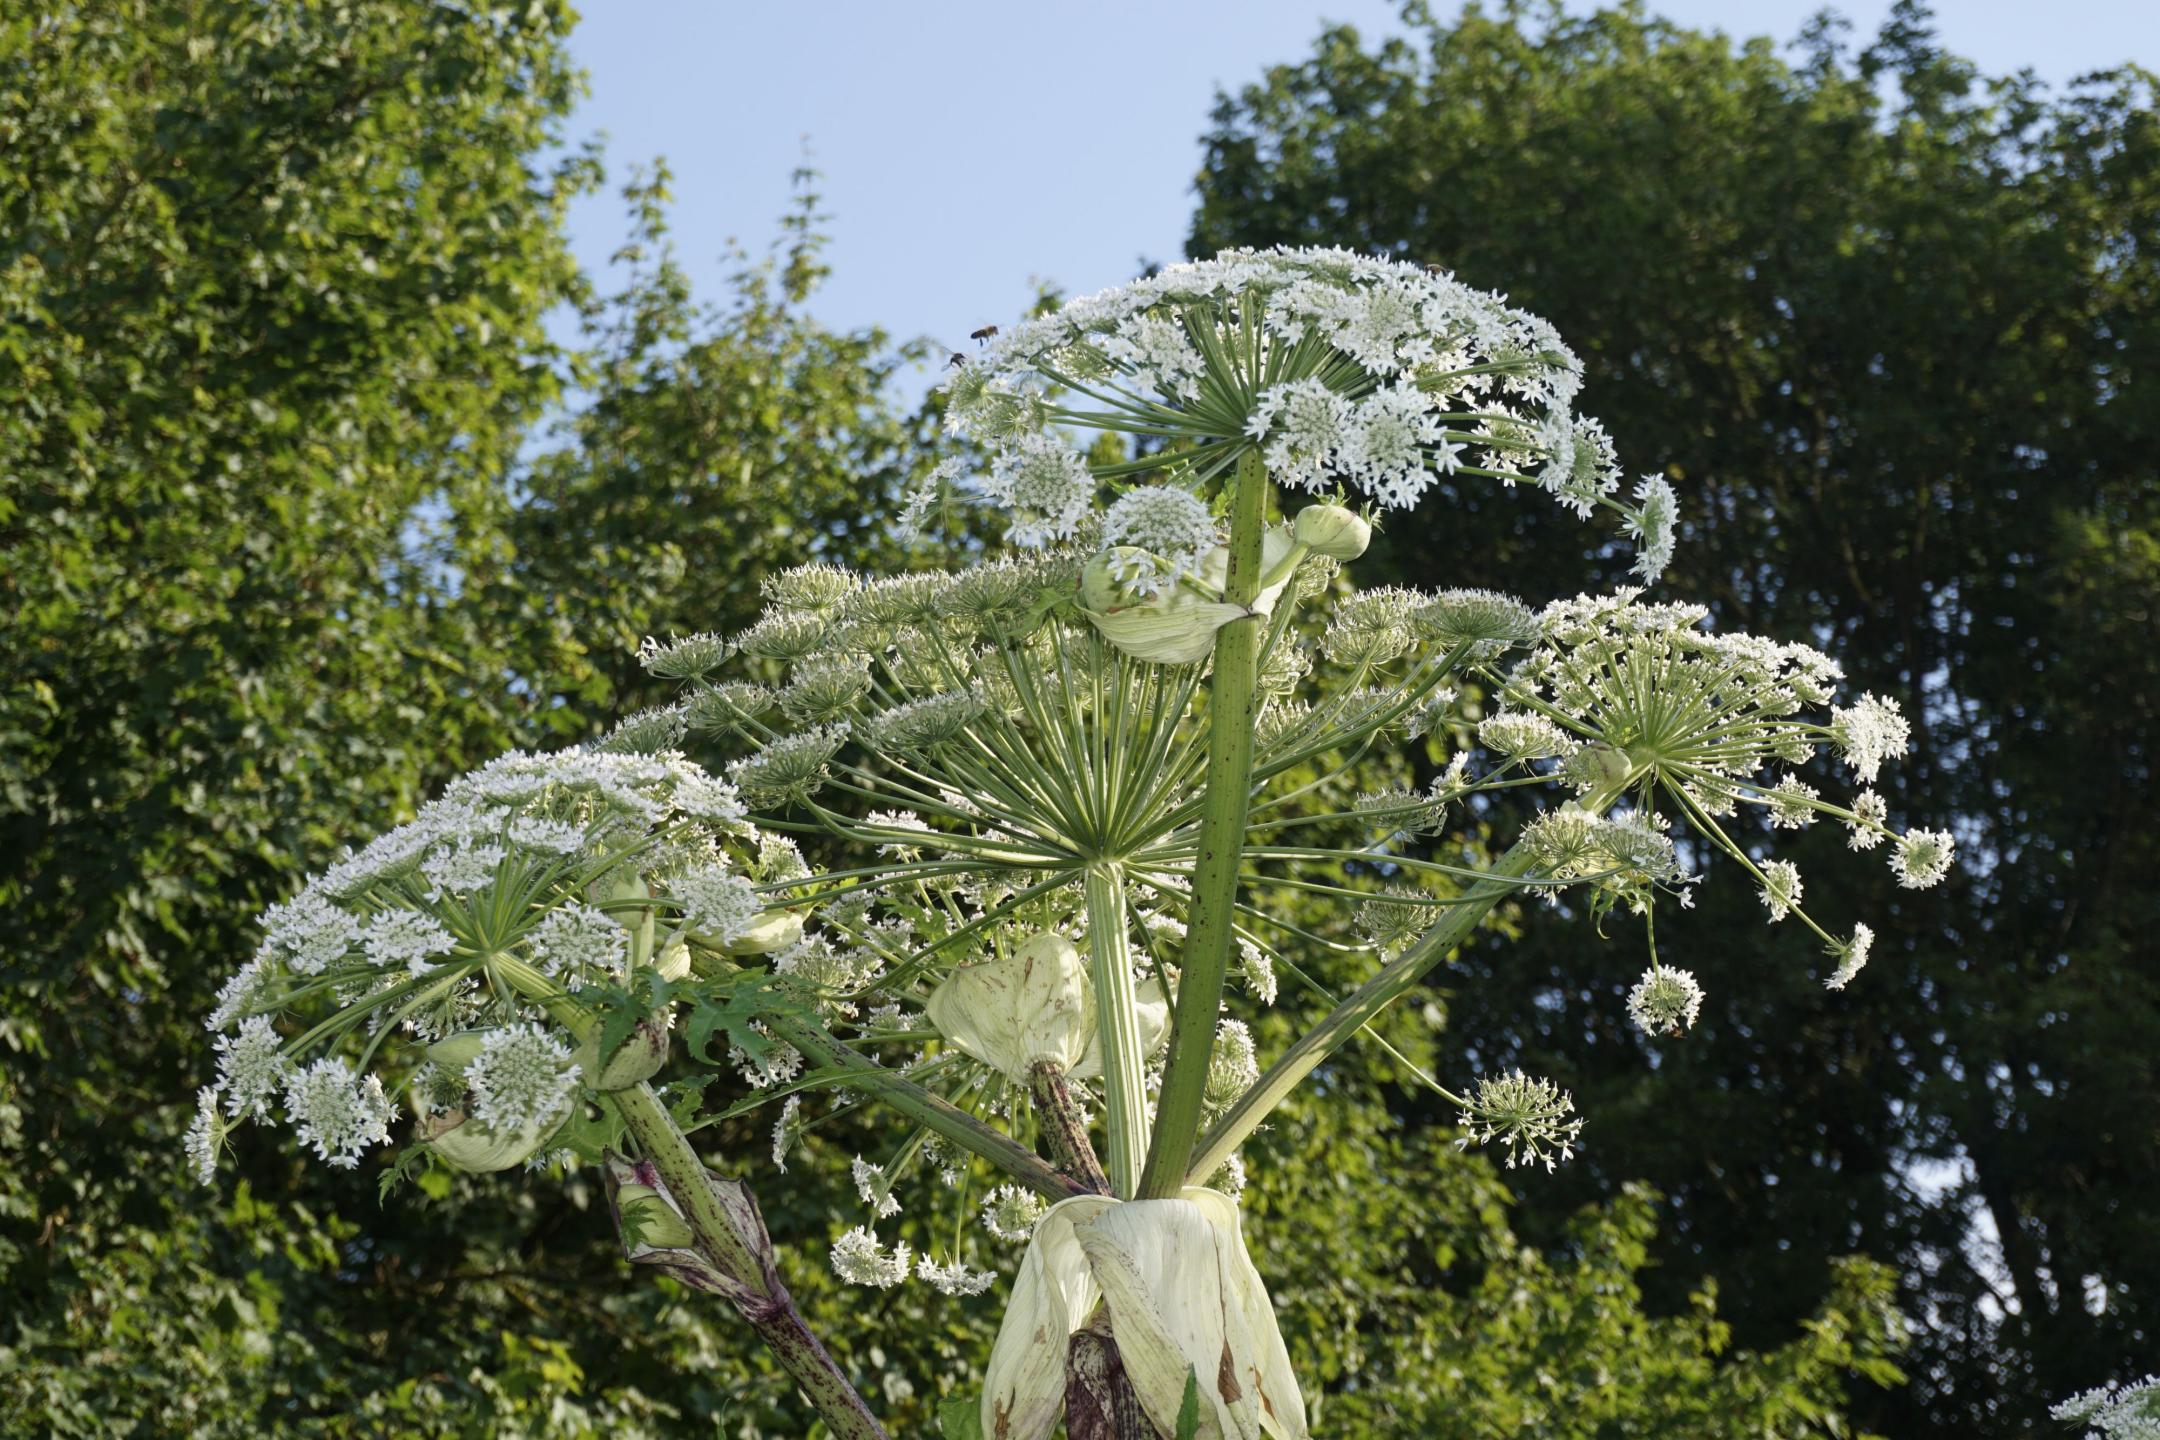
[1852, 957]
[205, 1136]
[522, 1078]
[1533, 1120]
[1923, 858]
[1665, 1001]
[2115, 1412]
[1183, 1301]
[1164, 531]
[578, 940]
[251, 1068]
[534, 870]
[1781, 888]
[858, 1259]
[1010, 1213]
[336, 1113]
[956, 1278]
[1339, 368]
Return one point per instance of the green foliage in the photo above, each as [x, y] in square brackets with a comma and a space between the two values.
[1887, 323]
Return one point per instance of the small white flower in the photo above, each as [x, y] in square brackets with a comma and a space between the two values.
[577, 940]
[1665, 1001]
[1303, 423]
[461, 869]
[336, 1113]
[716, 905]
[858, 1259]
[1046, 484]
[1923, 858]
[1383, 446]
[1870, 810]
[1652, 522]
[1869, 732]
[1781, 888]
[1532, 1119]
[1233, 1067]
[1010, 1213]
[875, 1187]
[522, 1078]
[407, 938]
[1852, 958]
[1792, 804]
[251, 1068]
[1524, 735]
[205, 1135]
[1168, 523]
[956, 1278]
[548, 837]
[310, 933]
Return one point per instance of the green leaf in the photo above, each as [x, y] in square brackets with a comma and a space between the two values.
[960, 1418]
[1188, 1410]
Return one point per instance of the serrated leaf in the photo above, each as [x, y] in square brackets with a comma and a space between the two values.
[1188, 1410]
[591, 1133]
[684, 1098]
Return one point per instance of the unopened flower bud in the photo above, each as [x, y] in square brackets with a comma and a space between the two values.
[1034, 1004]
[633, 1061]
[1333, 531]
[1171, 627]
[648, 1217]
[775, 930]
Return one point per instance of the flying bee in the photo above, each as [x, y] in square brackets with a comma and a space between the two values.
[979, 336]
[955, 360]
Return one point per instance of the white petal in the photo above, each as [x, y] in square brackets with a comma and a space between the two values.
[1053, 1295]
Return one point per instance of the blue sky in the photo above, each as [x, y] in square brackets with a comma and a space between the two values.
[969, 148]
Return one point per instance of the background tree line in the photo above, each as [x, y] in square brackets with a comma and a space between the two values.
[302, 510]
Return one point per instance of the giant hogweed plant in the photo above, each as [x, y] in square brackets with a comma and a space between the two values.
[1072, 787]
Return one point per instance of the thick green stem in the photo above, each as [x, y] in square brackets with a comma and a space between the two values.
[1117, 1027]
[938, 1116]
[1208, 936]
[765, 1303]
[1362, 1004]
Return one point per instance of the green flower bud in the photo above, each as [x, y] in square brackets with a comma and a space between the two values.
[647, 1217]
[465, 1144]
[637, 1059]
[775, 930]
[1333, 531]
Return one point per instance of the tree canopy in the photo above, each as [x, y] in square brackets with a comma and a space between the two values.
[1885, 322]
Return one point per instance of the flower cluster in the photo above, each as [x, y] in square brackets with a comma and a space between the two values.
[1632, 696]
[2116, 1412]
[1339, 369]
[533, 876]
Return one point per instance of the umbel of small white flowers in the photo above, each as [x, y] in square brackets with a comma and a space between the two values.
[432, 954]
[2116, 1412]
[1341, 370]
